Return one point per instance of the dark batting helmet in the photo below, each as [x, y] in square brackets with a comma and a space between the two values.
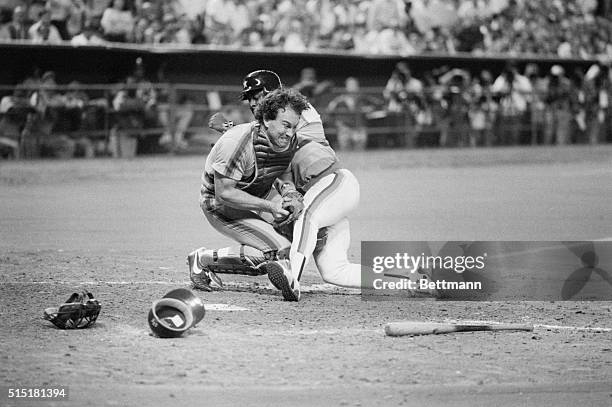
[175, 313]
[260, 80]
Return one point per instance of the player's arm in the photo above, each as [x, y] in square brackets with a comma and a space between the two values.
[228, 194]
[284, 183]
[310, 126]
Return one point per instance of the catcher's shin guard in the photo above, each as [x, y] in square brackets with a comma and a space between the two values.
[224, 261]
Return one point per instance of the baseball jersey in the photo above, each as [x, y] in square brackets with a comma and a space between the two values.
[244, 154]
[310, 126]
[314, 157]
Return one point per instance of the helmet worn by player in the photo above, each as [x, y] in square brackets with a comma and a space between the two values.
[259, 80]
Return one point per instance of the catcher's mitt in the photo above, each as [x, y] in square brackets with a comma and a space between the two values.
[80, 311]
[293, 202]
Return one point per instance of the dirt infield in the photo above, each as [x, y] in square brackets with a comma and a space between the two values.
[122, 229]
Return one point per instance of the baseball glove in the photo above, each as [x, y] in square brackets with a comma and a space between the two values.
[219, 122]
[293, 202]
[80, 311]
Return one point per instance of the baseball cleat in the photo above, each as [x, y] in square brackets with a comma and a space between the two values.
[201, 277]
[279, 273]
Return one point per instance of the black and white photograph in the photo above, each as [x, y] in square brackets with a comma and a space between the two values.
[306, 203]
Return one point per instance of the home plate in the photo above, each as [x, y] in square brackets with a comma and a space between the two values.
[223, 307]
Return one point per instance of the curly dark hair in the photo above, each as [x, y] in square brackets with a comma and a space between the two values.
[268, 107]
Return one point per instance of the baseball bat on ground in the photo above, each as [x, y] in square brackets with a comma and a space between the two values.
[414, 328]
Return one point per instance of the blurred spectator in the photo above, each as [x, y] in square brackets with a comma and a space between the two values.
[74, 101]
[197, 31]
[536, 102]
[386, 14]
[175, 112]
[477, 114]
[393, 41]
[577, 107]
[35, 8]
[79, 15]
[455, 129]
[91, 34]
[293, 40]
[135, 104]
[327, 22]
[341, 39]
[349, 110]
[483, 110]
[97, 7]
[240, 18]
[402, 88]
[17, 29]
[597, 101]
[117, 22]
[559, 107]
[513, 90]
[59, 11]
[49, 103]
[310, 87]
[74, 111]
[43, 32]
[174, 31]
[15, 110]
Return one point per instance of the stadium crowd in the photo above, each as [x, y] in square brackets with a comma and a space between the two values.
[566, 29]
[447, 107]
[519, 106]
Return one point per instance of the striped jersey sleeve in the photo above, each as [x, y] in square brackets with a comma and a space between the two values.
[310, 126]
[231, 155]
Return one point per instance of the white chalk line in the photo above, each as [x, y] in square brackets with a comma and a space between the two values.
[307, 332]
[543, 249]
[312, 288]
[223, 307]
[541, 326]
[574, 328]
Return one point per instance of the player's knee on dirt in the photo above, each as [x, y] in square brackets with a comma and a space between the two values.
[338, 270]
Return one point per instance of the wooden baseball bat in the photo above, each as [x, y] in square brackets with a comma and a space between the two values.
[414, 328]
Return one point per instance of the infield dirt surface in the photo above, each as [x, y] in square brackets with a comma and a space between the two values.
[122, 229]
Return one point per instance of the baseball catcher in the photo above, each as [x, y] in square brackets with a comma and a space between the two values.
[239, 175]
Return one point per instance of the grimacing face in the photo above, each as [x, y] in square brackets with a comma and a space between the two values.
[281, 130]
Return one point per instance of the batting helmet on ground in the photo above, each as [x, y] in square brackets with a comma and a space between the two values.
[175, 313]
[259, 80]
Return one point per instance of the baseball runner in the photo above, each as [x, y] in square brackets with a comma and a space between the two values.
[239, 174]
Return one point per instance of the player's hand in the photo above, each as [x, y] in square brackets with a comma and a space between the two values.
[219, 122]
[278, 212]
[293, 202]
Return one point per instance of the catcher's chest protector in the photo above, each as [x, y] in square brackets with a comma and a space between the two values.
[269, 164]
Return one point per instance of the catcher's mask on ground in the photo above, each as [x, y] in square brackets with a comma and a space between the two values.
[79, 311]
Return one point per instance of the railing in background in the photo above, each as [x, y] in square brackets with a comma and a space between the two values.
[122, 120]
